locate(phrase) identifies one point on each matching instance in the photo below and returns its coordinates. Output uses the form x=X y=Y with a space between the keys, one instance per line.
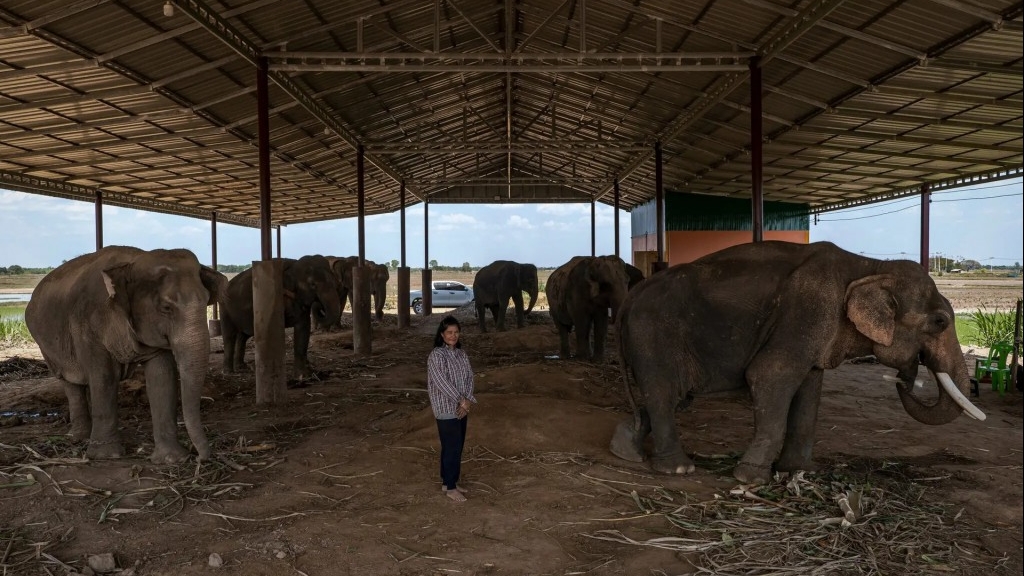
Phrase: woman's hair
x=445 y=323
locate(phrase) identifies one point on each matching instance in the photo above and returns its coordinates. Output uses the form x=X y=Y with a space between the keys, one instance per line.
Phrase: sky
x=983 y=223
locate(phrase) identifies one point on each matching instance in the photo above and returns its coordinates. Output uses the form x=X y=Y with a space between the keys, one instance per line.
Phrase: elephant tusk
x=950 y=388
x=890 y=378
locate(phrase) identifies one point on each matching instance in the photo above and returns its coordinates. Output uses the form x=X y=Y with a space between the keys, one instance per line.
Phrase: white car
x=445 y=294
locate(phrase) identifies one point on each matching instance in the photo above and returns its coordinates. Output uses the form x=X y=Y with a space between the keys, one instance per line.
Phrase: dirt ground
x=342 y=478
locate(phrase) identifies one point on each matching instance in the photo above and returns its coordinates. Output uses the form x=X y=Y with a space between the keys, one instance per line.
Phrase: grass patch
x=967 y=330
x=13 y=330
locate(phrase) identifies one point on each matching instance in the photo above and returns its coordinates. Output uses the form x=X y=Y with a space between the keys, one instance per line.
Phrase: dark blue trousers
x=453 y=437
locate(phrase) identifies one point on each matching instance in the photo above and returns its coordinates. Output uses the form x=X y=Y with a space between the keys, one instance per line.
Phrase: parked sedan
x=445 y=294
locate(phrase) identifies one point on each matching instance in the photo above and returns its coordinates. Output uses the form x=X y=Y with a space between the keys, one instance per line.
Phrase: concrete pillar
x=427 y=291
x=268 y=328
x=361 y=337
x=403 y=297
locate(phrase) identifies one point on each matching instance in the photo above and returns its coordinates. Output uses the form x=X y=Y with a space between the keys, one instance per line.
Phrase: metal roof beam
x=56 y=188
x=224 y=31
x=890 y=154
x=55 y=16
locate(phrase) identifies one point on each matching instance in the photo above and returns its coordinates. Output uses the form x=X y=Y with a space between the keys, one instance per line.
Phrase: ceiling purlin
x=220 y=28
x=146 y=86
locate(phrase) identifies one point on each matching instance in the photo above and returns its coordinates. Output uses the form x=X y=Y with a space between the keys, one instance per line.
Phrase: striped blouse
x=449 y=380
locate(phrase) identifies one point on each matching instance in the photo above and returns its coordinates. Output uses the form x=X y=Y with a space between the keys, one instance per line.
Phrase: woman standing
x=450 y=384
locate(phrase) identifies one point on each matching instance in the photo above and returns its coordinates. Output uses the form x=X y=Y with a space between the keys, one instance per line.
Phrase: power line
x=916 y=205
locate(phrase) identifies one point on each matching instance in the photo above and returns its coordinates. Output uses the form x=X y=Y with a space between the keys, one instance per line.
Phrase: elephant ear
x=871 y=306
x=216 y=284
x=116 y=279
x=117 y=334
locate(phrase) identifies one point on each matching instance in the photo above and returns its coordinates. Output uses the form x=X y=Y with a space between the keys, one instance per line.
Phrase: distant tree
x=433 y=263
x=394 y=264
x=970 y=265
x=3 y=270
x=466 y=267
x=15 y=269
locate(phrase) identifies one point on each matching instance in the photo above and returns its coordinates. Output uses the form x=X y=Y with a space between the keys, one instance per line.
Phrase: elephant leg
x=517 y=301
x=228 y=336
x=239 y=357
x=667 y=456
x=600 y=333
x=499 y=313
x=628 y=441
x=78 y=409
x=772 y=396
x=481 y=316
x=161 y=389
x=563 y=340
x=104 y=439
x=300 y=336
x=583 y=328
x=803 y=416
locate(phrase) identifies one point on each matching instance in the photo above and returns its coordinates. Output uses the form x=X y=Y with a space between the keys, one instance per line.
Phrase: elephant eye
x=940 y=322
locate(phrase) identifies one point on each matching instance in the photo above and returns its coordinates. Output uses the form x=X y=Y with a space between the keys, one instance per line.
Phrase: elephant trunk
x=330 y=306
x=953 y=390
x=192 y=355
x=533 y=299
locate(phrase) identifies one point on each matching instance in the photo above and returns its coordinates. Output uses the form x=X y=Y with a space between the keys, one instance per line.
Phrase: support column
x=616 y=210
x=361 y=337
x=426 y=287
x=926 y=201
x=268 y=325
x=267 y=281
x=214 y=322
x=659 y=195
x=278 y=240
x=756 y=151
x=593 y=227
x=263 y=154
x=403 y=270
x=99 y=219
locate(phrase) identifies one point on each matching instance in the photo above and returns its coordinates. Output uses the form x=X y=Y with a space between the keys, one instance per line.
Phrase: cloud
x=457 y=221
x=564 y=209
x=517 y=221
x=557 y=225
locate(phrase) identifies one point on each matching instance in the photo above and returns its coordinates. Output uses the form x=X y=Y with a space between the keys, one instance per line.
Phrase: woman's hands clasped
x=463 y=410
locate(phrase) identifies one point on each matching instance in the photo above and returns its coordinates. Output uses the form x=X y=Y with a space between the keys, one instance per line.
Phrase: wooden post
x=1016 y=347
x=361 y=337
x=268 y=325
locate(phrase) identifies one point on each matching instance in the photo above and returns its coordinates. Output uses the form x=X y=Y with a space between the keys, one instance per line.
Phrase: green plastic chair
x=995 y=366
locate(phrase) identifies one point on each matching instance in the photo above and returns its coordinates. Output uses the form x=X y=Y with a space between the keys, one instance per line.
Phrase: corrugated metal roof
x=513 y=101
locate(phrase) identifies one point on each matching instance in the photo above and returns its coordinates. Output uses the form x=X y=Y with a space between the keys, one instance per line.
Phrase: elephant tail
x=627 y=381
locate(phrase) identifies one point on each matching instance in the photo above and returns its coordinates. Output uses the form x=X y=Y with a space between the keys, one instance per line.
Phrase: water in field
x=18 y=297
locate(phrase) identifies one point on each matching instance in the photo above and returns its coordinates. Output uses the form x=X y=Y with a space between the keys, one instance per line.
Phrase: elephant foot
x=749 y=473
x=170 y=454
x=80 y=432
x=104 y=450
x=674 y=464
x=626 y=443
x=795 y=464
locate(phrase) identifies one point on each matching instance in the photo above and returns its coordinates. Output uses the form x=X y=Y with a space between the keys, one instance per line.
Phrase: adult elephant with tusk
x=307 y=281
x=95 y=317
x=771 y=317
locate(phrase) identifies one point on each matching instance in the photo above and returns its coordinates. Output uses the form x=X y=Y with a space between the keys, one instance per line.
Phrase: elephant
x=378 y=277
x=771 y=317
x=580 y=293
x=500 y=280
x=97 y=316
x=634 y=274
x=307 y=281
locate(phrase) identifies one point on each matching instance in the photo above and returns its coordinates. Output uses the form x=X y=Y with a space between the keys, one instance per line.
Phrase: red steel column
x=99 y=219
x=263 y=153
x=926 y=200
x=756 y=151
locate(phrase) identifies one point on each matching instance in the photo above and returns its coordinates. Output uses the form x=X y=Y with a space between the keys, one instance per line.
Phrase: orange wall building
x=697 y=225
